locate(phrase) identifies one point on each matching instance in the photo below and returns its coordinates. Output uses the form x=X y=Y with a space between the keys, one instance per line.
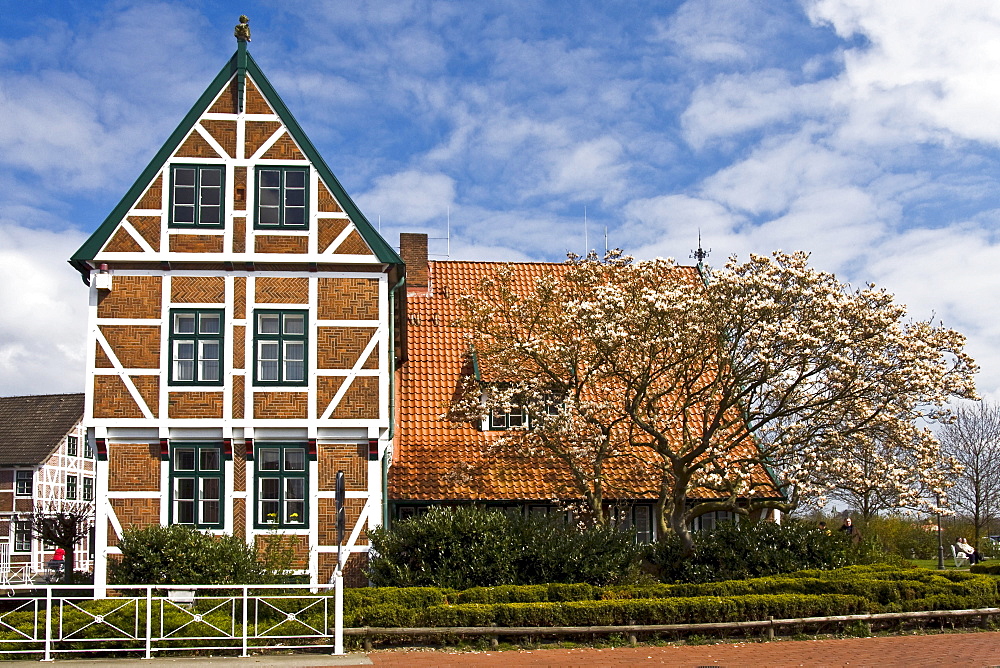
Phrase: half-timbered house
x=241 y=338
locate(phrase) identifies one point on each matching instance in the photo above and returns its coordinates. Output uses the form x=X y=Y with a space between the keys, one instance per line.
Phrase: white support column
x=100 y=526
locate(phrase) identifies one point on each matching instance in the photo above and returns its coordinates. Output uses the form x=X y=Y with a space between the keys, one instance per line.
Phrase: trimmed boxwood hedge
x=848 y=590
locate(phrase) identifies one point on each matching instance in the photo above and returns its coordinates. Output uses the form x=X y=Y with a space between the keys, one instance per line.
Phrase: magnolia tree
x=754 y=389
x=537 y=360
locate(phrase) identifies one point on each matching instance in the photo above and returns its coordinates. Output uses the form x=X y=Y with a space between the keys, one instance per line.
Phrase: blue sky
x=863 y=131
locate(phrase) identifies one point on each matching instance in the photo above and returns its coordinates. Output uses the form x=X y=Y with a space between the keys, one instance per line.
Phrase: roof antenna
x=701 y=253
x=586 y=238
x=446 y=238
x=605 y=241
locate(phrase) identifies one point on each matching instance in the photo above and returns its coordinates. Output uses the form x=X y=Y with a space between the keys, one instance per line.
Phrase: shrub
x=179 y=554
x=469 y=547
x=991 y=568
x=737 y=551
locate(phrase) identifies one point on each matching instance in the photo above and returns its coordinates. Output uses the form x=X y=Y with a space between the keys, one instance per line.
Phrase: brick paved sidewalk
x=967 y=650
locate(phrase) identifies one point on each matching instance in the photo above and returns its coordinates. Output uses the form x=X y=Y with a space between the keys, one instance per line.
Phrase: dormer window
x=511 y=418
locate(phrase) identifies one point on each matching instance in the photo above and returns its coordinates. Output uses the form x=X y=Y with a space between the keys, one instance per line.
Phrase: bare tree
x=65 y=524
x=973 y=439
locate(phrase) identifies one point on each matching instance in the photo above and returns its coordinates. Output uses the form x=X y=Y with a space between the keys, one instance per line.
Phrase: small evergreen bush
x=180 y=554
x=748 y=550
x=471 y=547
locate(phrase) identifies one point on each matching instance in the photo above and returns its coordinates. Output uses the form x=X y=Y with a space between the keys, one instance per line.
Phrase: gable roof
x=437 y=460
x=92 y=246
x=31 y=427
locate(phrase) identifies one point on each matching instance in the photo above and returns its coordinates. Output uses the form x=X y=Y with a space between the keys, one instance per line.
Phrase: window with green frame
x=196 y=195
x=282 y=198
x=88 y=489
x=280 y=344
x=196 y=484
x=88 y=449
x=71 y=487
x=71 y=445
x=281 y=477
x=196 y=347
x=22 y=536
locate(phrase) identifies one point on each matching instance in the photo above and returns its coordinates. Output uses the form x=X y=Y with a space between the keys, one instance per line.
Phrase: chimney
x=413 y=250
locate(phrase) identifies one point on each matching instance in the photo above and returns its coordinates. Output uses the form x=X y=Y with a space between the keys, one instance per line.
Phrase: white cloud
x=44 y=306
x=410 y=197
x=925 y=66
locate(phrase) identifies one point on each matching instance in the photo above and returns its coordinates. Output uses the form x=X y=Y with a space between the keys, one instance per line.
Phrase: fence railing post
x=149 y=622
x=48 y=623
x=245 y=631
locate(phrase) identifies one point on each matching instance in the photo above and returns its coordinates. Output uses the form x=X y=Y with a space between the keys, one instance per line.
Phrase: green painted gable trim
x=92 y=246
x=383 y=251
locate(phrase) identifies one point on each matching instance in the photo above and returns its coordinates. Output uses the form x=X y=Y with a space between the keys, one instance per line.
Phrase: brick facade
x=196 y=243
x=135 y=346
x=275 y=290
x=348 y=299
x=136 y=467
x=340 y=347
x=269 y=243
x=360 y=402
x=197 y=289
x=281 y=405
x=194 y=405
x=133 y=297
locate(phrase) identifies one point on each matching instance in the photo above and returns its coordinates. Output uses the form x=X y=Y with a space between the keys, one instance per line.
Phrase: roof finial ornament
x=242 y=30
x=701 y=253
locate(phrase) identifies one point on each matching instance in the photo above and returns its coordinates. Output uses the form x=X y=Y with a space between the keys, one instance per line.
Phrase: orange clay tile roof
x=437 y=460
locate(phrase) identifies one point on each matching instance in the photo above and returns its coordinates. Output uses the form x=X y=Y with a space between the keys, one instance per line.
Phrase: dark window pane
x=296 y=512
x=185 y=512
x=184 y=177
x=211 y=215
x=210 y=459
x=295 y=197
x=211 y=196
x=269 y=216
x=295 y=460
x=269 y=198
x=211 y=177
x=210 y=512
x=269 y=512
x=183 y=196
x=184 y=488
x=270 y=488
x=269 y=459
x=270 y=178
x=183 y=214
x=184 y=459
x=295 y=179
x=210 y=489
x=295 y=489
x=295 y=216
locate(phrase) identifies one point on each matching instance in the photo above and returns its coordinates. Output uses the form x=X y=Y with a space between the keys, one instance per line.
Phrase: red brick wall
x=113 y=400
x=195 y=405
x=350 y=458
x=133 y=467
x=281 y=405
x=348 y=299
x=277 y=290
x=135 y=346
x=196 y=243
x=132 y=297
x=198 y=289
x=340 y=347
x=360 y=402
x=276 y=244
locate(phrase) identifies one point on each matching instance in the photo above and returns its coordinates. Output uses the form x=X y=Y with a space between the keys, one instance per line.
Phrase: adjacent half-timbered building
x=241 y=339
x=47 y=465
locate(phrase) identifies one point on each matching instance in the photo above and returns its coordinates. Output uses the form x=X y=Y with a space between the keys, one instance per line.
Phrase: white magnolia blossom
x=770 y=373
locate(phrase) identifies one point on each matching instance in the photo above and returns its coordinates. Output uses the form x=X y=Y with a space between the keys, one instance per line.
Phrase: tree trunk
x=68 y=560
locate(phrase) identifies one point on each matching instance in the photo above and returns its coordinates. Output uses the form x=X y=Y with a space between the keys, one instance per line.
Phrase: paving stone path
x=965 y=650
